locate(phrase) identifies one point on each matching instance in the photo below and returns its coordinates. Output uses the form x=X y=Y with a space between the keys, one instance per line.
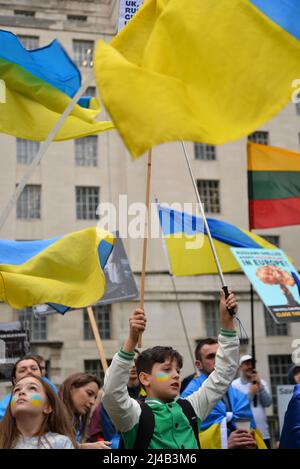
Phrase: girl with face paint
x=35 y=418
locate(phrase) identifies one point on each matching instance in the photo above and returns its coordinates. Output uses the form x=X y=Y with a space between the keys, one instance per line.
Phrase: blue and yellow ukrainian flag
x=188 y=246
x=65 y=271
x=232 y=70
x=213 y=431
x=39 y=85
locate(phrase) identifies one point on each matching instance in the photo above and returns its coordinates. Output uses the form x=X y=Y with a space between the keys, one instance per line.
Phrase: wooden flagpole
x=97 y=338
x=146 y=234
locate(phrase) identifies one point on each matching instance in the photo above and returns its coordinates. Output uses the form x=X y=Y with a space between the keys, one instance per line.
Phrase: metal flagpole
x=178 y=303
x=43 y=149
x=214 y=252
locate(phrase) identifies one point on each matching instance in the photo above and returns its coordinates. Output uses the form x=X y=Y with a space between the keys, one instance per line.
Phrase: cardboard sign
x=270 y=273
x=284 y=394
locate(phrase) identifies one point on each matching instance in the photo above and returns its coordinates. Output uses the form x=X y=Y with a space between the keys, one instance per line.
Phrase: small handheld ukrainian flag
x=65 y=271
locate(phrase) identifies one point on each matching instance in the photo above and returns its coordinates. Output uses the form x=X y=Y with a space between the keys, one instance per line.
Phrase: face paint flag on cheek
x=162 y=377
x=36 y=400
x=13 y=401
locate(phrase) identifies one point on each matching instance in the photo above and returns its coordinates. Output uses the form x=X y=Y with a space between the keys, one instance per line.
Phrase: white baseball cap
x=245 y=358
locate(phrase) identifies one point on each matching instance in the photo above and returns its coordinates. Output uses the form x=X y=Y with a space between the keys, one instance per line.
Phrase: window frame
x=206 y=194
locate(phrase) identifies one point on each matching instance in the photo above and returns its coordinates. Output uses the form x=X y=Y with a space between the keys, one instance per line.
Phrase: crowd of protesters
x=140 y=407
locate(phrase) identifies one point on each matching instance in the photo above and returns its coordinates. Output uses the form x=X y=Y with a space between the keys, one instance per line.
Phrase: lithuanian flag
x=273 y=186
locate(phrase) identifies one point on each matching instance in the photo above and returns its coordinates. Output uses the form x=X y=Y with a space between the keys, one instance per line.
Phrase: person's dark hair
x=291 y=373
x=57 y=421
x=26 y=357
x=201 y=343
x=148 y=358
x=77 y=380
x=38 y=358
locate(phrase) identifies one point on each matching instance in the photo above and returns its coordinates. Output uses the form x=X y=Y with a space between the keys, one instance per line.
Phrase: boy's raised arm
x=123 y=411
x=216 y=385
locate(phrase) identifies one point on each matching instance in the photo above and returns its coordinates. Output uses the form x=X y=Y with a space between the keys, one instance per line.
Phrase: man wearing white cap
x=251 y=384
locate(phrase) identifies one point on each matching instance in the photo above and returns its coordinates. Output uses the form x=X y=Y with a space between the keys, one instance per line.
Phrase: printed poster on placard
x=273 y=277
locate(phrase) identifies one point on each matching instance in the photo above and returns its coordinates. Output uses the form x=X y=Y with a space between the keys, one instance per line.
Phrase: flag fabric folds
x=39 y=85
x=213 y=432
x=65 y=271
x=214 y=86
x=188 y=247
x=273 y=186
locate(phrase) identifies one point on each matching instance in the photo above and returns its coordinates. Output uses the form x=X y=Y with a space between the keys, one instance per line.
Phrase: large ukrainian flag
x=65 y=271
x=213 y=433
x=39 y=85
x=201 y=70
x=188 y=246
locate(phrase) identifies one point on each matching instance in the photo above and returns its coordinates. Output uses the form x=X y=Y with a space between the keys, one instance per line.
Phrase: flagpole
x=43 y=149
x=97 y=338
x=177 y=300
x=146 y=233
x=224 y=286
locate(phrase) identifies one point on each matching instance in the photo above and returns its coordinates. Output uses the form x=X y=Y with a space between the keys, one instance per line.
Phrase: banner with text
x=128 y=9
x=270 y=273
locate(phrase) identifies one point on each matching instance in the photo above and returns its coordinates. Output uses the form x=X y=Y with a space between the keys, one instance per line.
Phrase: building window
x=94 y=367
x=279 y=366
x=204 y=152
x=29 y=203
x=273 y=239
x=24 y=13
x=77 y=18
x=29 y=42
x=83 y=53
x=260 y=136
x=86 y=151
x=90 y=91
x=26 y=150
x=212 y=318
x=209 y=191
x=87 y=201
x=37 y=326
x=102 y=317
x=272 y=328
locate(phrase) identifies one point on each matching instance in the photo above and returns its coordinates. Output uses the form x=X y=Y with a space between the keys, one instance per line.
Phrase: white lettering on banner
x=128 y=9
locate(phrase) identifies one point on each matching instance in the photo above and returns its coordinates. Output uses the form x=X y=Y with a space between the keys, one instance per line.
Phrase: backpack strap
x=147 y=422
x=190 y=414
x=145 y=429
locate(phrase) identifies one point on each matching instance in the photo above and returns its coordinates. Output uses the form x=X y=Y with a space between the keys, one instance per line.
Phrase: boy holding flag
x=165 y=421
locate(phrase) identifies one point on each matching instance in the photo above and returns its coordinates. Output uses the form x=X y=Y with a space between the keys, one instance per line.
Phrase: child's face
x=164 y=380
x=29 y=397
